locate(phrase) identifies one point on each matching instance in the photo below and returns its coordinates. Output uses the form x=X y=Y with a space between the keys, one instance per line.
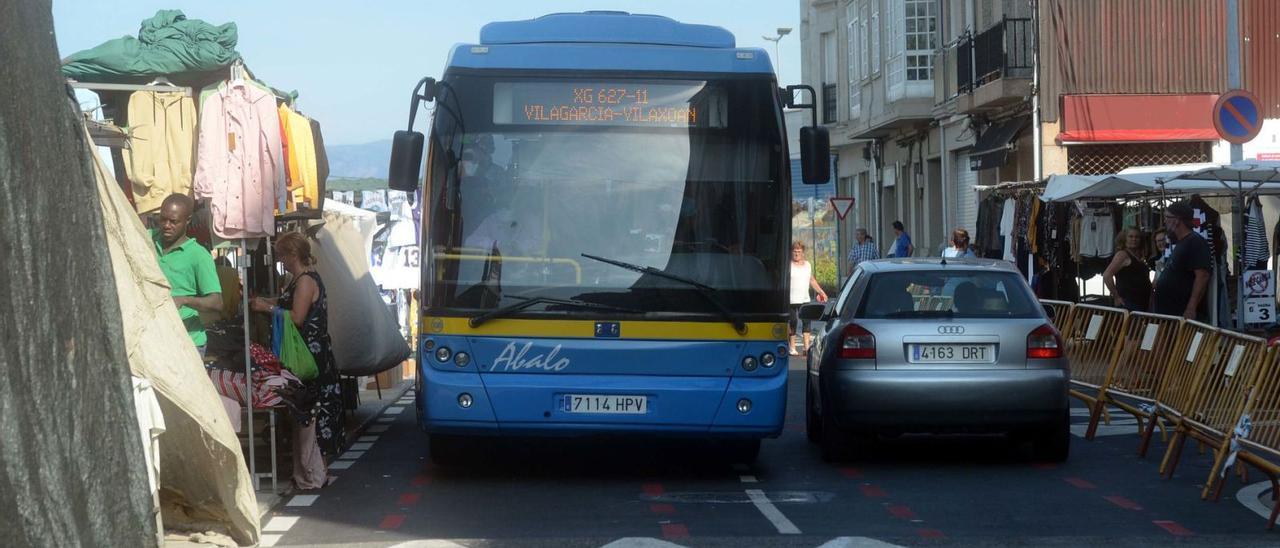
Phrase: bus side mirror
x=406 y=161
x=815 y=155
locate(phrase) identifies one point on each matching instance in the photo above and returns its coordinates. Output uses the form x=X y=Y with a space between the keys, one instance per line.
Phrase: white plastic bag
x=366 y=336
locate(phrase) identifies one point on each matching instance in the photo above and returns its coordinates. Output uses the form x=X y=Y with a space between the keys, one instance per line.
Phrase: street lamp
x=782 y=31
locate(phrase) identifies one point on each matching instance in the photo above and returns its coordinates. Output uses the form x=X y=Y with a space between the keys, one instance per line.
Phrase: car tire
x=831 y=440
x=812 y=420
x=446 y=450
x=1053 y=444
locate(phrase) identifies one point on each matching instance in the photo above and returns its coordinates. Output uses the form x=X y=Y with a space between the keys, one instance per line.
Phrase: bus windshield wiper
x=707 y=292
x=527 y=302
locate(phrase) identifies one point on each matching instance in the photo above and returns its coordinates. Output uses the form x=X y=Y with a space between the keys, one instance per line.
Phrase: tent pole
x=248 y=358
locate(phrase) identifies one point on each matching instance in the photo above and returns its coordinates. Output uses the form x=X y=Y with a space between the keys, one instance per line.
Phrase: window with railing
x=1002 y=51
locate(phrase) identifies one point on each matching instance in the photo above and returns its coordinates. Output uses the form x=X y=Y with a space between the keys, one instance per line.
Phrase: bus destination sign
x=602 y=103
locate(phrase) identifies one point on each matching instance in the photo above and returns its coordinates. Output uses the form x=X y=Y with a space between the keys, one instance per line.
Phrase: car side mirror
x=815 y=155
x=406 y=161
x=813 y=312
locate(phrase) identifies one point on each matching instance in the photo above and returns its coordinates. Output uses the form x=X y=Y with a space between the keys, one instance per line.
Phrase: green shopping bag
x=294 y=353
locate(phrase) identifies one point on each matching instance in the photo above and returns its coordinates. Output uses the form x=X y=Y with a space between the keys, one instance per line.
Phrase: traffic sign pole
x=1233 y=63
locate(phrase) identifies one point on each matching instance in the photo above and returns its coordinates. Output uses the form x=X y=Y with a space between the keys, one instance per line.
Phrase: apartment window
x=829 y=78
x=852 y=39
x=912 y=24
x=875 y=35
x=864 y=51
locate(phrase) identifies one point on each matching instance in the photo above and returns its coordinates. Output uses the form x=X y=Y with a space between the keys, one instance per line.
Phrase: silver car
x=940 y=346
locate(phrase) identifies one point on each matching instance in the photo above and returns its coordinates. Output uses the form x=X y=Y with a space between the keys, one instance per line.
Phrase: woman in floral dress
x=320 y=431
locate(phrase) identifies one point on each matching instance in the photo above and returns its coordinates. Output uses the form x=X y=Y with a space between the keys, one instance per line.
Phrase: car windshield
x=683 y=176
x=947 y=294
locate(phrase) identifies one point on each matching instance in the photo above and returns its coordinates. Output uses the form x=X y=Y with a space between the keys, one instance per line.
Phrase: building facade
x=926 y=99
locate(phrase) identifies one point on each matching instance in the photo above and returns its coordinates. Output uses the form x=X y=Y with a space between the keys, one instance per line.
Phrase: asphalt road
x=963 y=491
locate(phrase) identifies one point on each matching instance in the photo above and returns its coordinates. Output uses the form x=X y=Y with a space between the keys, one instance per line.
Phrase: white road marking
x=747 y=479
x=379 y=428
x=341 y=464
x=857 y=542
x=302 y=500
x=432 y=543
x=352 y=455
x=1249 y=497
x=394 y=410
x=361 y=446
x=280 y=524
x=771 y=512
x=267 y=541
x=368 y=439
x=641 y=542
x=386 y=419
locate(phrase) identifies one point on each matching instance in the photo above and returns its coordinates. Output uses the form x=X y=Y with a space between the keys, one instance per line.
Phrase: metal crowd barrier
x=1218 y=387
x=1092 y=337
x=1255 y=440
x=1139 y=365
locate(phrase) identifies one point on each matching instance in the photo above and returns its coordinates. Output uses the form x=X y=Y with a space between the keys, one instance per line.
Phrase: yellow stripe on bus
x=585 y=329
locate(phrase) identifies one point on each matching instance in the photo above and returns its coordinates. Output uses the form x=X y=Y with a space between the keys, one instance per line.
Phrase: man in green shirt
x=188 y=266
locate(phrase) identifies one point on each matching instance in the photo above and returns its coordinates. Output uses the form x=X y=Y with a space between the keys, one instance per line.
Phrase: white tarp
x=204 y=483
x=1186 y=179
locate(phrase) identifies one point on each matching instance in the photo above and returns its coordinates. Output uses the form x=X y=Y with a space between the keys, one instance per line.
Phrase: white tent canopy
x=1206 y=179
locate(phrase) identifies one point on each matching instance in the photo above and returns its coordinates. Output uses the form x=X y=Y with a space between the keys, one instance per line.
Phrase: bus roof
x=608 y=40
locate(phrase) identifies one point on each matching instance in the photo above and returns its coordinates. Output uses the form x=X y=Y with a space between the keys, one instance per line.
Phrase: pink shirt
x=238 y=160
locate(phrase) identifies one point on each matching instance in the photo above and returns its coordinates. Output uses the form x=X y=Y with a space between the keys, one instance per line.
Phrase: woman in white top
x=801 y=281
x=959 y=246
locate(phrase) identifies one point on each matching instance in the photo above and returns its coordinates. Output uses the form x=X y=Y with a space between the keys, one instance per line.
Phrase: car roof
x=916 y=264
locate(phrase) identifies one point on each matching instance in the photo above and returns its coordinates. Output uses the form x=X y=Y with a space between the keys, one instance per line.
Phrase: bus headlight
x=462 y=359
x=749 y=363
x=464 y=400
x=443 y=354
x=744 y=406
x=767 y=360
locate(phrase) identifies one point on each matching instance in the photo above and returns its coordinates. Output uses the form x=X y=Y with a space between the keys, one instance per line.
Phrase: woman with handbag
x=319 y=431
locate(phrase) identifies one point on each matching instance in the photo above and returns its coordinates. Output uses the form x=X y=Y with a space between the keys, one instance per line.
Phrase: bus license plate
x=607 y=404
x=952 y=353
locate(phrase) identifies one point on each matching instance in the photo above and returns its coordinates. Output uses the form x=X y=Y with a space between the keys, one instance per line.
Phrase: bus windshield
x=529 y=174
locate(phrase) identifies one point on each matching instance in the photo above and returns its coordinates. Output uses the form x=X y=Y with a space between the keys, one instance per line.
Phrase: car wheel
x=1054 y=443
x=832 y=442
x=447 y=450
x=812 y=420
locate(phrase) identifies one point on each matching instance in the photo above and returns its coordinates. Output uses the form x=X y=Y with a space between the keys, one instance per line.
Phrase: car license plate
x=607 y=404
x=952 y=353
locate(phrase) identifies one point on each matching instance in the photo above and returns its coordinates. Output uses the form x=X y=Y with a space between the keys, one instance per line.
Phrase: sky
x=354 y=63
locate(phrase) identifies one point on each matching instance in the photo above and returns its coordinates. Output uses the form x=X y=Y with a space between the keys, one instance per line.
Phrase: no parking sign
x=1237 y=117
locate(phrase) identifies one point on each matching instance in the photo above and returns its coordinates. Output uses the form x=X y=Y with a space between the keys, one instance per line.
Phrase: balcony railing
x=829 y=104
x=1002 y=51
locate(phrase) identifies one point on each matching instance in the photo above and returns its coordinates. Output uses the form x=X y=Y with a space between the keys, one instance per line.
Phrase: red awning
x=1137 y=118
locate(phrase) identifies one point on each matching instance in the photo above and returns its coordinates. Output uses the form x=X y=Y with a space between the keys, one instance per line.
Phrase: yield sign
x=842 y=205
x=1237 y=117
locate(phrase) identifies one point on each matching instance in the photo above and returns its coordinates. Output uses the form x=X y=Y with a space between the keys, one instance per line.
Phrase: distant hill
x=368 y=160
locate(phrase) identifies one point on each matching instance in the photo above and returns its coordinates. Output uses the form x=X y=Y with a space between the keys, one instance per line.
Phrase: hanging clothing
x=1097 y=233
x=162 y=140
x=327 y=410
x=1256 y=251
x=1006 y=227
x=301 y=159
x=322 y=166
x=238 y=160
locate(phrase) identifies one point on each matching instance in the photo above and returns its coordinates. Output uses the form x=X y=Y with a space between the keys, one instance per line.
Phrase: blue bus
x=606 y=233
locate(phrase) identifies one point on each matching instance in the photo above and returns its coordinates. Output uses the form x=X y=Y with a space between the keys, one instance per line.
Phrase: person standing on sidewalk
x=320 y=430
x=1180 y=290
x=864 y=249
x=193 y=278
x=902 y=241
x=801 y=281
x=1128 y=277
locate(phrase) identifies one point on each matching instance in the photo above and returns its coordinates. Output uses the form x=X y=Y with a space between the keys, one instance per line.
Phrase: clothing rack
x=167 y=88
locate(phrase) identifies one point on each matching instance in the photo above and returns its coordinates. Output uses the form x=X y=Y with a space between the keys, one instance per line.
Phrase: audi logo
x=951 y=330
